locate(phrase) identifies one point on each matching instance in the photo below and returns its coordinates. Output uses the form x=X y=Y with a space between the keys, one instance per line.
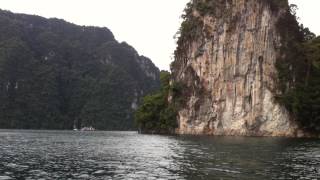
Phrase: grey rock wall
x=230 y=75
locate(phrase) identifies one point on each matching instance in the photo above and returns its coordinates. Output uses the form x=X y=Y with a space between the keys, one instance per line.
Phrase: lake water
x=128 y=155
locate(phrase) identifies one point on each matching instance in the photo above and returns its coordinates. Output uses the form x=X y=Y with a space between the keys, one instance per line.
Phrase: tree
x=54 y=75
x=156 y=114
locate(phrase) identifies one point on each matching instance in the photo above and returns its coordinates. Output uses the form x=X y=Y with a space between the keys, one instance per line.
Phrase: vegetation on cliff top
x=55 y=74
x=189 y=29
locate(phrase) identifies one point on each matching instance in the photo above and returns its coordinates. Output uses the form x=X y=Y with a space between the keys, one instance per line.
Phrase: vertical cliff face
x=225 y=61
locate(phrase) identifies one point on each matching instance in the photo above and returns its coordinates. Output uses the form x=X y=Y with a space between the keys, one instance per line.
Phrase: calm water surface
x=128 y=155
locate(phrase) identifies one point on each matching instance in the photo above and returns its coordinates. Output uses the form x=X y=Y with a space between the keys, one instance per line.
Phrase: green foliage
x=54 y=74
x=205 y=7
x=292 y=58
x=191 y=24
x=165 y=81
x=303 y=100
x=177 y=91
x=189 y=29
x=298 y=71
x=156 y=115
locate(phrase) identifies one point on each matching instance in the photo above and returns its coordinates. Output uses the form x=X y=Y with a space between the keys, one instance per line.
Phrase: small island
x=241 y=68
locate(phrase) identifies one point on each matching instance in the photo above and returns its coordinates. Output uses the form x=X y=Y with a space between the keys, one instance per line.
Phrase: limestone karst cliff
x=226 y=62
x=58 y=75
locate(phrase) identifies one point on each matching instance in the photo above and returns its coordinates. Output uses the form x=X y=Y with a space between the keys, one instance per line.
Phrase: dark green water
x=128 y=155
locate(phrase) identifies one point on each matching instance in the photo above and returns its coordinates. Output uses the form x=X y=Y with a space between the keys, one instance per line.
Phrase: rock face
x=227 y=67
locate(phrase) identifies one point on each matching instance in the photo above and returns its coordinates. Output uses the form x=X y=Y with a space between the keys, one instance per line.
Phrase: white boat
x=88 y=129
x=75 y=128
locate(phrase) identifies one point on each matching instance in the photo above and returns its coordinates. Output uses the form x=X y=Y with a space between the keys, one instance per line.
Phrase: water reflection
x=128 y=155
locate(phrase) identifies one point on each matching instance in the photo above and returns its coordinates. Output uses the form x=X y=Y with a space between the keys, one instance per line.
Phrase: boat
x=88 y=128
x=75 y=128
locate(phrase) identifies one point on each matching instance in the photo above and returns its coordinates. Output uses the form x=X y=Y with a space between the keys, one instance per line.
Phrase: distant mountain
x=54 y=75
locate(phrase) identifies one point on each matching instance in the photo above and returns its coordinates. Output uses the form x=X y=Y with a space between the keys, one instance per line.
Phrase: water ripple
x=128 y=155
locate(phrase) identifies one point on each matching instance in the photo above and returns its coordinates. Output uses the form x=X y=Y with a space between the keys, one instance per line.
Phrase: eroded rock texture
x=228 y=70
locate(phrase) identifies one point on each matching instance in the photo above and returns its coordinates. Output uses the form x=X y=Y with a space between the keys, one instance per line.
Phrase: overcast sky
x=148 y=25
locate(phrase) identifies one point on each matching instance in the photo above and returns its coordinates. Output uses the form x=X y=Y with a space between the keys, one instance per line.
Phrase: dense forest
x=299 y=71
x=54 y=75
x=156 y=114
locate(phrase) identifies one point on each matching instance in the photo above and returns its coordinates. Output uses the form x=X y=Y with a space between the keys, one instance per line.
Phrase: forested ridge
x=55 y=74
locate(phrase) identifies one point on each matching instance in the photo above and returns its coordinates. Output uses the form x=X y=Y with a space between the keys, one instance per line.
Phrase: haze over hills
x=54 y=75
